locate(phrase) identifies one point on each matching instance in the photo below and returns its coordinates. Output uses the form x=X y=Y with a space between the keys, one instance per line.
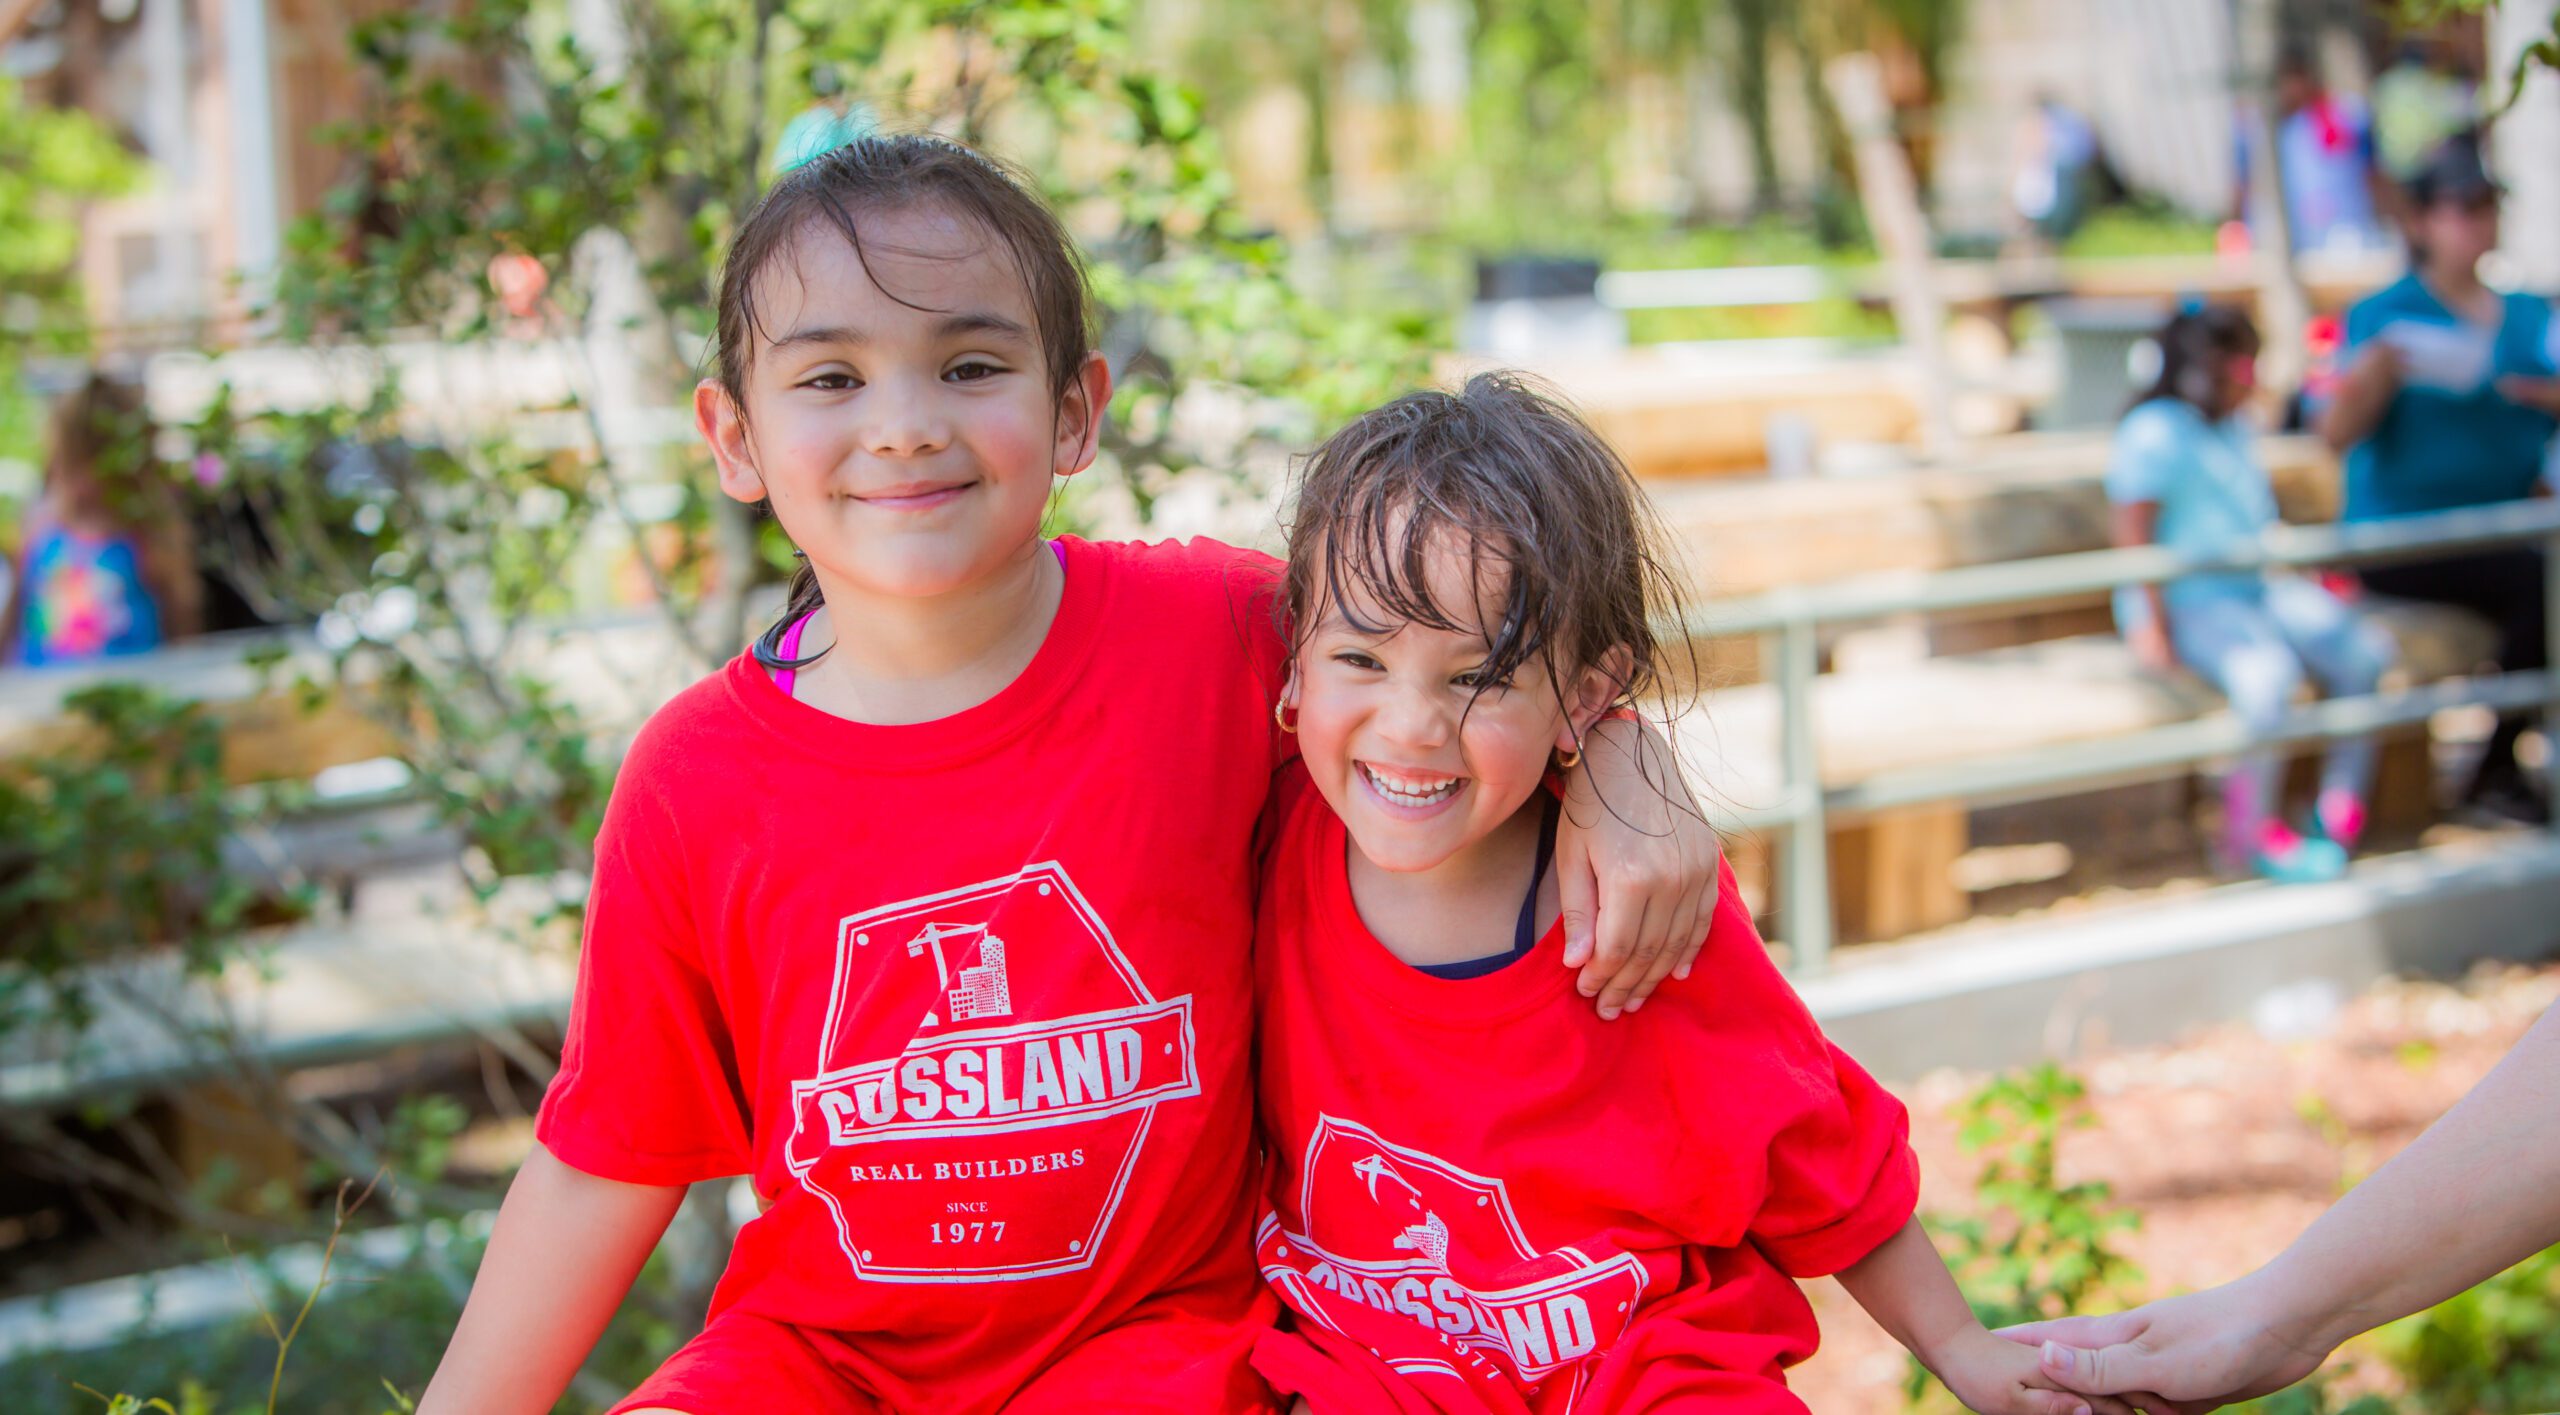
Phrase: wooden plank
x=1894 y=876
x=2013 y=499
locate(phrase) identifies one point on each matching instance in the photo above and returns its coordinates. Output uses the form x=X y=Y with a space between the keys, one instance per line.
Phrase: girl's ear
x=1080 y=415
x=716 y=414
x=1590 y=694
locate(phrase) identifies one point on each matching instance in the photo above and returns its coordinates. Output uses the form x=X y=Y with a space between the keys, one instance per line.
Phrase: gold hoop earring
x=1567 y=761
x=1280 y=716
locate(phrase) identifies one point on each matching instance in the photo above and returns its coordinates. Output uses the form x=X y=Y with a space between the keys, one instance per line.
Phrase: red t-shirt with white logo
x=968 y=999
x=1484 y=1198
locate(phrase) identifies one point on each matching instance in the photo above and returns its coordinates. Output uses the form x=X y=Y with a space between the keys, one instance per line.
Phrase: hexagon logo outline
x=850 y=1100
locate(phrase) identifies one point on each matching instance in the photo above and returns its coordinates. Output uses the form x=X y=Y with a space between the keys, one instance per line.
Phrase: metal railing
x=1786 y=621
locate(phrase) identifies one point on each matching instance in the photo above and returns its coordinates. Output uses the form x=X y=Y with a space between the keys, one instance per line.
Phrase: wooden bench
x=1891 y=873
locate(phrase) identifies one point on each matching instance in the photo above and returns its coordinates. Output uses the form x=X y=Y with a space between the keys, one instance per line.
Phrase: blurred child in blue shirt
x=2184 y=473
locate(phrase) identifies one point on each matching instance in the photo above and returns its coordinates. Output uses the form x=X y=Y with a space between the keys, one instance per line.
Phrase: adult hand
x=2197 y=1353
x=1637 y=866
x=2541 y=394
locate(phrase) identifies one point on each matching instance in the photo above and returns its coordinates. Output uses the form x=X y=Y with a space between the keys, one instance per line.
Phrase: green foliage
x=51 y=160
x=2494 y=1350
x=2119 y=231
x=112 y=844
x=421 y=563
x=2042 y=1248
x=2542 y=52
x=2045 y=1252
x=368 y=1348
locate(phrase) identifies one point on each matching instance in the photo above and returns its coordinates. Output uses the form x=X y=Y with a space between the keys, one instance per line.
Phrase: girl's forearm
x=2475 y=1194
x=565 y=1249
x=1905 y=1286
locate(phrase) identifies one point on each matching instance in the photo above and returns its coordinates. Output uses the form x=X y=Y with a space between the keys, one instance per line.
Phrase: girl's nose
x=906 y=421
x=1415 y=717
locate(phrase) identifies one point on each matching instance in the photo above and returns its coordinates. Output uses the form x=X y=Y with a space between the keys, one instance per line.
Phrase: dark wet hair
x=1544 y=507
x=2192 y=346
x=891 y=172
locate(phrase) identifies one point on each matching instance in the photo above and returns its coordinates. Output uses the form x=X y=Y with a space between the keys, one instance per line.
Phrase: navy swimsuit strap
x=1524 y=934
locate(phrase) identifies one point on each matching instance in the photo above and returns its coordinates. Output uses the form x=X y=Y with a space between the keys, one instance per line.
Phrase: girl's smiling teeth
x=1401 y=788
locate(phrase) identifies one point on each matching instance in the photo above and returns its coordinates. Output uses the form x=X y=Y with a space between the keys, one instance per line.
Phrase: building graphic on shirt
x=1428 y=1263
x=980 y=1120
x=1430 y=1238
x=984 y=990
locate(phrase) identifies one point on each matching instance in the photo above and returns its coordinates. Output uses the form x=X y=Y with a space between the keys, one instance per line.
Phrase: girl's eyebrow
x=826 y=334
x=980 y=322
x=949 y=326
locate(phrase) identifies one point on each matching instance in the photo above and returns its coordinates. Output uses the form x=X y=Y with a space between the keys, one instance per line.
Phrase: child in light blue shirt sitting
x=2184 y=473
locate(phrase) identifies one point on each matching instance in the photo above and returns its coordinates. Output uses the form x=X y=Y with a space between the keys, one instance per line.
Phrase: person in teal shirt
x=2184 y=473
x=2449 y=400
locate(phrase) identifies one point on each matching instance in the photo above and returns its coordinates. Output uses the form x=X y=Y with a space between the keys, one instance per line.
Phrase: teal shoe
x=2288 y=858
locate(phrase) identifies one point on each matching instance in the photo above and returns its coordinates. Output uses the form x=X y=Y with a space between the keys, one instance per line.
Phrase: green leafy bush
x=2039 y=1248
x=2494 y=1350
x=112 y=844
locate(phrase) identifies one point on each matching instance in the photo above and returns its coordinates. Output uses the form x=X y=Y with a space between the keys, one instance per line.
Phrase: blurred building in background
x=233 y=104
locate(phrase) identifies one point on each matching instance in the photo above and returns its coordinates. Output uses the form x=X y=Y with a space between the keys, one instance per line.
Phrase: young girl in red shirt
x=1482 y=1199
x=931 y=914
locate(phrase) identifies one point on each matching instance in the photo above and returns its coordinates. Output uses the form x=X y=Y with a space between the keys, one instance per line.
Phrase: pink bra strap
x=789 y=648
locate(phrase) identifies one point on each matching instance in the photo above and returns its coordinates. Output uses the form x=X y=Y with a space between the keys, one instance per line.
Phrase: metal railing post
x=2551 y=675
x=1805 y=891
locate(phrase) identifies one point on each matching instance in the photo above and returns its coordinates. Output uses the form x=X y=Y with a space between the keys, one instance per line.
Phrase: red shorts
x=1159 y=1362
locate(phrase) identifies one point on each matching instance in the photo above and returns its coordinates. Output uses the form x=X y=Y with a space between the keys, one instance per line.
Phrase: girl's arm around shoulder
x=566 y=1247
x=1639 y=869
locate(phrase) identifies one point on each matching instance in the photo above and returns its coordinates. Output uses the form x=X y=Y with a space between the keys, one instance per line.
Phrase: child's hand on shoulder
x=1993 y=1381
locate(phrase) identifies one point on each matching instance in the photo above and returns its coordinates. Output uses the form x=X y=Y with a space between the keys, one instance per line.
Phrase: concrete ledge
x=2281 y=957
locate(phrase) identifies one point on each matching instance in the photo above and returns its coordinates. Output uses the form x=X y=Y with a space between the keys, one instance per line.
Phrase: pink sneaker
x=2340 y=817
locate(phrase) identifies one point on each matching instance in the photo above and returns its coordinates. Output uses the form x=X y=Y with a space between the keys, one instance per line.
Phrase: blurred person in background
x=2184 y=473
x=2058 y=176
x=2333 y=189
x=2449 y=400
x=104 y=566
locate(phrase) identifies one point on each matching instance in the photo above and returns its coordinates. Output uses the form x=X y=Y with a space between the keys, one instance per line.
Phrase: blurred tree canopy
x=51 y=160
x=1549 y=82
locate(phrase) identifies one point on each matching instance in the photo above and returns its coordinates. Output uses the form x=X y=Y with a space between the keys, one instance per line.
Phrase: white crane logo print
x=984 y=990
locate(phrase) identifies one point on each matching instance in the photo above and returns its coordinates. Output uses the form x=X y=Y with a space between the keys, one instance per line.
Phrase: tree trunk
x=1747 y=67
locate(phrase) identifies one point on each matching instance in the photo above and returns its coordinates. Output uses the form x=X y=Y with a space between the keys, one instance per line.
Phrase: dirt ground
x=2227 y=1144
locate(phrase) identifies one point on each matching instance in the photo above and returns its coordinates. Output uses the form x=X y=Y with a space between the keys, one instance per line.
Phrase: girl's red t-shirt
x=967 y=999
x=1484 y=1198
